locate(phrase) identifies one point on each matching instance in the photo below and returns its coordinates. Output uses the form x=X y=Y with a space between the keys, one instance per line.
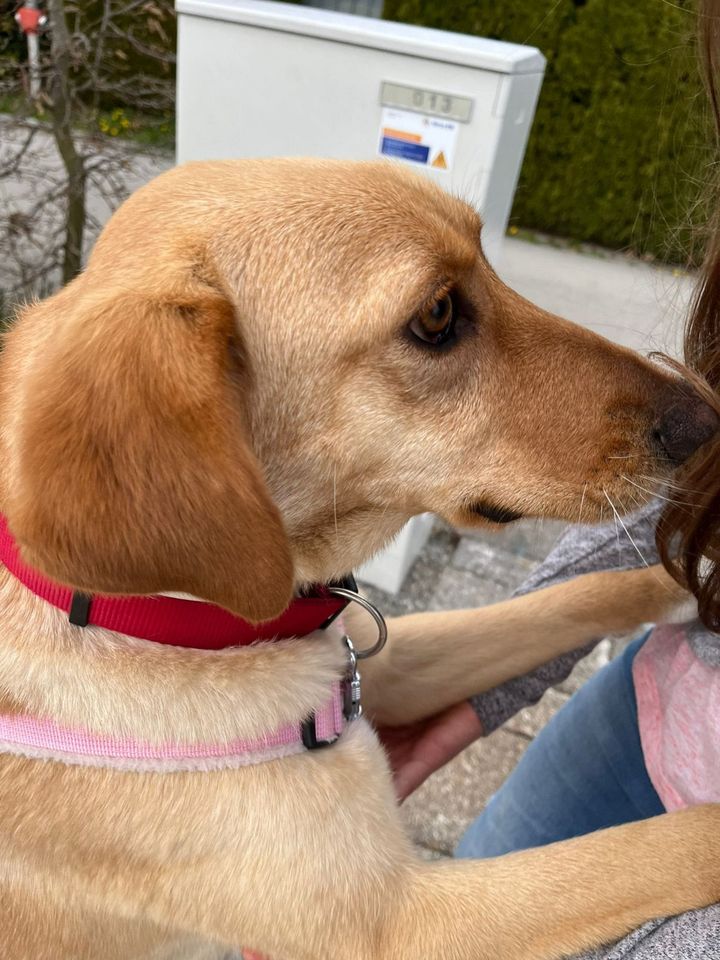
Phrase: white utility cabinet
x=263 y=79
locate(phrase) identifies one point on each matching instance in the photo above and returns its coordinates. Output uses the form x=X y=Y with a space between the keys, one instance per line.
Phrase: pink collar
x=42 y=739
x=183 y=623
x=162 y=619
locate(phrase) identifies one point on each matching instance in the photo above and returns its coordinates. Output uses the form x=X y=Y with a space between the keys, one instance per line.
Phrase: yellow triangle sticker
x=440 y=161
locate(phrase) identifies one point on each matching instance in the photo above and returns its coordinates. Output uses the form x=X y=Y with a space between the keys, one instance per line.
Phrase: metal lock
x=352 y=707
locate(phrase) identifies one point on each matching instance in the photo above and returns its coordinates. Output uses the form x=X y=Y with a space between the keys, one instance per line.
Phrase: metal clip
x=352 y=707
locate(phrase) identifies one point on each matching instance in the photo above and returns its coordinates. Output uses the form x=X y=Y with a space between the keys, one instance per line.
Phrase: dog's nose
x=687 y=423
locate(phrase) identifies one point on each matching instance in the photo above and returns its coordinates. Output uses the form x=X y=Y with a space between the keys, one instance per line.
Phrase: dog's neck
x=324 y=551
x=117 y=685
x=173 y=619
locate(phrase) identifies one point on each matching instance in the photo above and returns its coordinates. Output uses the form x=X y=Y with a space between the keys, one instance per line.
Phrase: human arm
x=416 y=750
x=582 y=549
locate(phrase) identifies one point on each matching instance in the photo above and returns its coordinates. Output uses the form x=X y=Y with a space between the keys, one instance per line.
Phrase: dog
x=266 y=368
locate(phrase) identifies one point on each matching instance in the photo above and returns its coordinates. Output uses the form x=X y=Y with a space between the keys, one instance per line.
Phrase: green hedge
x=621 y=147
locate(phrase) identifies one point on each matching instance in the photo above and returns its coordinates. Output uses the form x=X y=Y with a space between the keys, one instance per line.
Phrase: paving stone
x=423 y=577
x=618 y=642
x=430 y=587
x=439 y=811
x=606 y=650
x=425 y=853
x=599 y=657
x=441 y=543
x=530 y=720
x=456 y=589
x=526 y=541
x=532 y=539
x=486 y=561
x=417 y=591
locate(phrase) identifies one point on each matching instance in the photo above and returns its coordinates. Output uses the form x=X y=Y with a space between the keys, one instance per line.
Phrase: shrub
x=621 y=145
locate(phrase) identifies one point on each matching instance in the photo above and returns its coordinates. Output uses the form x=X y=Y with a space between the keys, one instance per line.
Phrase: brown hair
x=688 y=533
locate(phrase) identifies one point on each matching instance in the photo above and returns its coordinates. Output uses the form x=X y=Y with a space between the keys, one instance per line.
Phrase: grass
x=154 y=131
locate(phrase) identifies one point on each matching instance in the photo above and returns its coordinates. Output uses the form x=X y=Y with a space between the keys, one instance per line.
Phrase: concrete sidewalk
x=637 y=304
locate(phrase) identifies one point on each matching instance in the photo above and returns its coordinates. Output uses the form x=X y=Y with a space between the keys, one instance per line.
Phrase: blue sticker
x=404 y=150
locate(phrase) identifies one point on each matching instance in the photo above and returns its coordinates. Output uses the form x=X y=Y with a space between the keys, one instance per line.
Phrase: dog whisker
x=582 y=501
x=624 y=456
x=655 y=493
x=337 y=538
x=618 y=519
x=634 y=499
x=665 y=587
x=617 y=536
x=669 y=484
x=636 y=456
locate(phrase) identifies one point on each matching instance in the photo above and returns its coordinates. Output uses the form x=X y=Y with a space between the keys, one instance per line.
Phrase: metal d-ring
x=374 y=613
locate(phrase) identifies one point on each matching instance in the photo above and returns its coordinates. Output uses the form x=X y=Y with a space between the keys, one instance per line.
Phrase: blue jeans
x=583 y=772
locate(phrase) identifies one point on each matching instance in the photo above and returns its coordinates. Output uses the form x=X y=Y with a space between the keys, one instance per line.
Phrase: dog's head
x=269 y=366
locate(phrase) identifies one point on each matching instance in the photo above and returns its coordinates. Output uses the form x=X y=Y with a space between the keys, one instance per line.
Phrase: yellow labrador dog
x=265 y=370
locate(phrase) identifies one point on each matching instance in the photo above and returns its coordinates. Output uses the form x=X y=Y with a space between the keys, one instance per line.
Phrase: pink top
x=678 y=698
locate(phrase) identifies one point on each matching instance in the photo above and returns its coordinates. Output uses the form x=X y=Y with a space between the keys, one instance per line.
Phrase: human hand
x=419 y=749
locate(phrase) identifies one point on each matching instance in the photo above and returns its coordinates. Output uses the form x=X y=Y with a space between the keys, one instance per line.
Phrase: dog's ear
x=132 y=469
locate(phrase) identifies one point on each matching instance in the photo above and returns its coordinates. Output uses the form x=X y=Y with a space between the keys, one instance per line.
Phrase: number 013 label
x=426 y=101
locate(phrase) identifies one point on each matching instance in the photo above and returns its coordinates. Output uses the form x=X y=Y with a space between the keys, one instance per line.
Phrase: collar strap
x=173 y=620
x=41 y=739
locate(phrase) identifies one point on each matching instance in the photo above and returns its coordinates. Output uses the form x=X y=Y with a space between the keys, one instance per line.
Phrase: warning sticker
x=406 y=135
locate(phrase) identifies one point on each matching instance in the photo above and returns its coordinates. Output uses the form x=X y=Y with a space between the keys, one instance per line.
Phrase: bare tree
x=67 y=156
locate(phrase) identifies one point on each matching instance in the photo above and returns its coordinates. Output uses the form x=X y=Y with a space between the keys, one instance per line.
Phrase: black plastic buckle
x=307 y=729
x=80 y=609
x=310 y=738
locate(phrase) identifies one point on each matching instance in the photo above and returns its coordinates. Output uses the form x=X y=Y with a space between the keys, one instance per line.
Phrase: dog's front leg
x=433 y=660
x=540 y=904
x=558 y=900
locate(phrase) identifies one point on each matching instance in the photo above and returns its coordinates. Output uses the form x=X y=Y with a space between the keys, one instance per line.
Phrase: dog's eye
x=435 y=323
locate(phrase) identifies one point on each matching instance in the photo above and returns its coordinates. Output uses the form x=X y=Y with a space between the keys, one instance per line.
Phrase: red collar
x=172 y=620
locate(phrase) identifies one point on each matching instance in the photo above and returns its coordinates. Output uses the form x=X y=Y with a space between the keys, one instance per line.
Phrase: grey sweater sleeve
x=582 y=549
x=691 y=936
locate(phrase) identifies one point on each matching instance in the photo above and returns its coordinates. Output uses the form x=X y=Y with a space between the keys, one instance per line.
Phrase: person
x=638 y=739
x=643 y=735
